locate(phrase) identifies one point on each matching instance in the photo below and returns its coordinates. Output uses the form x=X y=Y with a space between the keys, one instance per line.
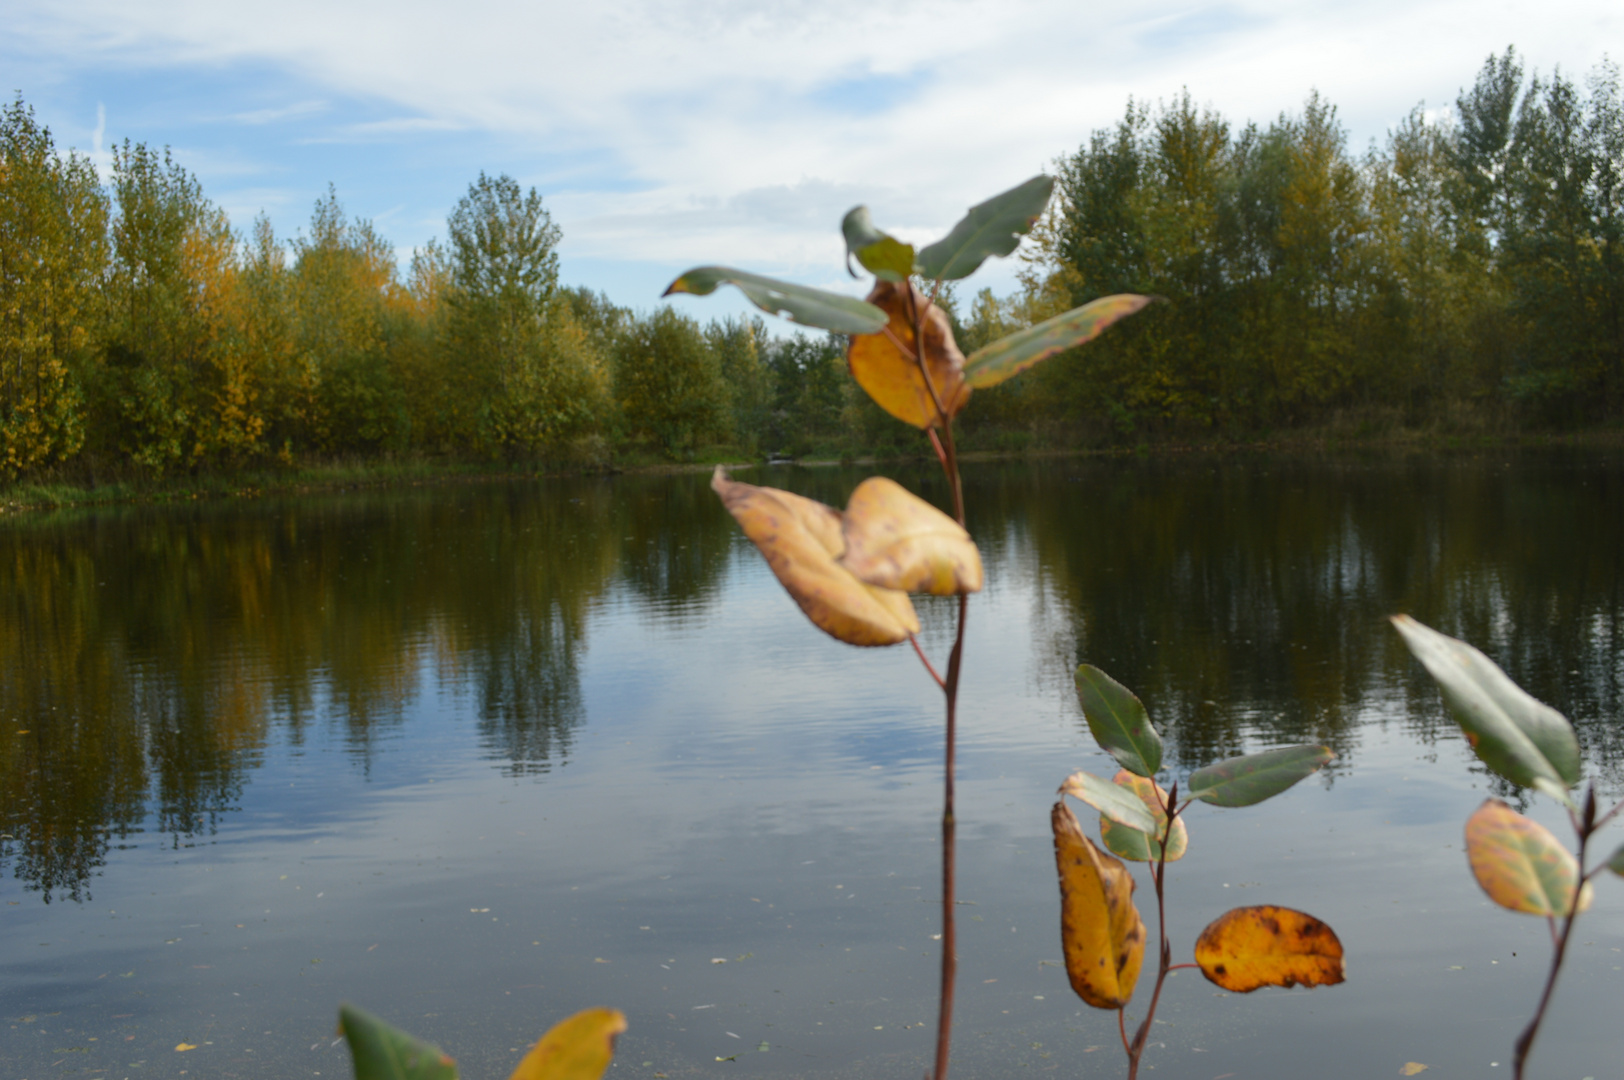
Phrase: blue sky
x=664 y=136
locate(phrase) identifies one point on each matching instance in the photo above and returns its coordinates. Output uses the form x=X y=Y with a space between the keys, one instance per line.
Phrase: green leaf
x=1117 y=803
x=881 y=254
x=1009 y=356
x=994 y=227
x=1119 y=721
x=382 y=1052
x=1242 y=781
x=1129 y=843
x=809 y=307
x=1513 y=733
x=1616 y=863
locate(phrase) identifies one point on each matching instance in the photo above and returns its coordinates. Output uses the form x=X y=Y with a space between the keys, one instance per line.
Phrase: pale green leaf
x=994 y=227
x=797 y=303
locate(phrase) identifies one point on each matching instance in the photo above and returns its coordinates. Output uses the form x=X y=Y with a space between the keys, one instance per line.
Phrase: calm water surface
x=475 y=758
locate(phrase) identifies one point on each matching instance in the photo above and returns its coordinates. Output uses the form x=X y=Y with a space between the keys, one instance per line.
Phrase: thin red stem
x=1585 y=826
x=1158 y=876
x=923 y=659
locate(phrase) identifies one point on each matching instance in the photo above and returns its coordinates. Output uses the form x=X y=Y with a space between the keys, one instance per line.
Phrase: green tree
x=53 y=222
x=668 y=382
x=347 y=394
x=169 y=246
x=537 y=383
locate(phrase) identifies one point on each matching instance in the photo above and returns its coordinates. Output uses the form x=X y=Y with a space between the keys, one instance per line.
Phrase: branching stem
x=1586 y=826
x=1164 y=952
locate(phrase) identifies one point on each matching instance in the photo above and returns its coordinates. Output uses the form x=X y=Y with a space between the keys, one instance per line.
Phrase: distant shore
x=127 y=486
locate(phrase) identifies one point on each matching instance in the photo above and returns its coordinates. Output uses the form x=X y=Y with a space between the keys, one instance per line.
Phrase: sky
x=664 y=136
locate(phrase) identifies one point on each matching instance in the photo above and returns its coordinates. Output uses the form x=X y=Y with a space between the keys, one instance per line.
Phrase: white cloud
x=741 y=130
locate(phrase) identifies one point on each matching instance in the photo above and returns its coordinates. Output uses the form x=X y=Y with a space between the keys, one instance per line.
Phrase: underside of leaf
x=802 y=541
x=896 y=540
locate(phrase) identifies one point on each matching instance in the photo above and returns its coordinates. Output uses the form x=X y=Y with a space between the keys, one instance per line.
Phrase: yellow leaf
x=185 y=1046
x=891 y=376
x=1519 y=863
x=1250 y=947
x=575 y=1049
x=896 y=540
x=1411 y=1068
x=1130 y=843
x=802 y=541
x=1100 y=928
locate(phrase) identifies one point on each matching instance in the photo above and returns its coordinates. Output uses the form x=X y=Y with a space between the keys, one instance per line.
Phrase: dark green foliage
x=668 y=380
x=1474 y=264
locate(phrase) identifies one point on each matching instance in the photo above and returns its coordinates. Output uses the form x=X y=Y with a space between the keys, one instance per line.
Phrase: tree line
x=1471 y=268
x=1468 y=271
x=137 y=327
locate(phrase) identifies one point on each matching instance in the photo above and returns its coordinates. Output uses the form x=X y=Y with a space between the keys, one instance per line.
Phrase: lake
x=475 y=757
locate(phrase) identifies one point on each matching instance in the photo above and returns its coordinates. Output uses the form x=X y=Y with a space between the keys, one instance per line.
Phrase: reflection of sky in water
x=734 y=786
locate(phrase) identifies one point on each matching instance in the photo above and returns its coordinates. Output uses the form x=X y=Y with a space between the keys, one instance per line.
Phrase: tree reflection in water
x=151 y=655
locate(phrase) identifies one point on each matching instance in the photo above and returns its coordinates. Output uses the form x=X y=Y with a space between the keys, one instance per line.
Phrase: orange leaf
x=896 y=540
x=1100 y=928
x=579 y=1048
x=892 y=376
x=1130 y=843
x=802 y=541
x=1519 y=863
x=1412 y=1068
x=1251 y=947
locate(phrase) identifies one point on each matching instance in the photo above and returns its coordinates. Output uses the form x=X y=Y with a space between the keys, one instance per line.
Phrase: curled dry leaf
x=896 y=540
x=1131 y=843
x=1250 y=947
x=1519 y=863
x=891 y=376
x=579 y=1048
x=1100 y=928
x=802 y=541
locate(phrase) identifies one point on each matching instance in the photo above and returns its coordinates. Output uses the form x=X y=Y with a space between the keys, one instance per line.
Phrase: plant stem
x=1158 y=875
x=948 y=455
x=1525 y=1042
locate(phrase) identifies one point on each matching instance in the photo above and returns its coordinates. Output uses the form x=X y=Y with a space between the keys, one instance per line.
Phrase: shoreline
x=38 y=496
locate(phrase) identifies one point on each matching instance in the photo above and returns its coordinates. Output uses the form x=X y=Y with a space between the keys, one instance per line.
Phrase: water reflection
x=148 y=657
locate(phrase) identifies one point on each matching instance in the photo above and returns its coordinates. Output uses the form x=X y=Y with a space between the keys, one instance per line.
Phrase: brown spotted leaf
x=891 y=375
x=579 y=1048
x=1519 y=863
x=1100 y=928
x=1251 y=947
x=802 y=541
x=1131 y=843
x=896 y=540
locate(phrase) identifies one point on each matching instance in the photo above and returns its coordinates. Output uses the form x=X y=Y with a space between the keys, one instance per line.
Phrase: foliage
x=1470 y=261
x=1468 y=271
x=851 y=573
x=1518 y=863
x=1100 y=928
x=53 y=251
x=577 y=1048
